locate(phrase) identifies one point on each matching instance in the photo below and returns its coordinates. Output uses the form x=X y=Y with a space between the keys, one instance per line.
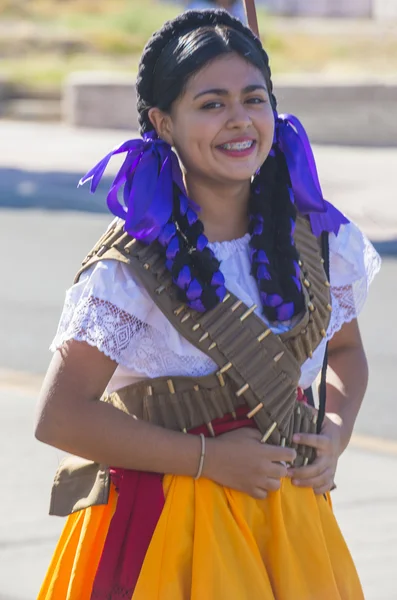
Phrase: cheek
x=198 y=126
x=188 y=150
x=266 y=127
x=269 y=123
x=193 y=138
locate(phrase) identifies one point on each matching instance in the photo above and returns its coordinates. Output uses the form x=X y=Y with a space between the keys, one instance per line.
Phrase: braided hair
x=173 y=54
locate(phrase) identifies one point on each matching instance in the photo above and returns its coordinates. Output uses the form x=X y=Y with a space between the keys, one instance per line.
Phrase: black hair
x=174 y=54
x=184 y=46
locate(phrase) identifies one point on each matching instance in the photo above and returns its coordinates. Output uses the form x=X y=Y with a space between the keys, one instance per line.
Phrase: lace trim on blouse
x=124 y=338
x=348 y=299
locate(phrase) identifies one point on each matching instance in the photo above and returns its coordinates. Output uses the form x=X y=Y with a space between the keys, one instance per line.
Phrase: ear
x=161 y=121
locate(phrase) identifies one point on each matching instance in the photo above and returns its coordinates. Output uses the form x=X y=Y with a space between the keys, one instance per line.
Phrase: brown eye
x=256 y=100
x=211 y=105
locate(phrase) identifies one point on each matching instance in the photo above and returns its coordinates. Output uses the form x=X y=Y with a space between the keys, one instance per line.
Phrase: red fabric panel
x=139 y=506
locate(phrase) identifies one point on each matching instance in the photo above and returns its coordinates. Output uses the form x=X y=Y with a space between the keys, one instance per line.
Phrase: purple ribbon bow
x=292 y=140
x=148 y=174
x=151 y=169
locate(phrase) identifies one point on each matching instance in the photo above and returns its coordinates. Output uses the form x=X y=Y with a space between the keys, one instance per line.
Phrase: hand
x=320 y=474
x=239 y=460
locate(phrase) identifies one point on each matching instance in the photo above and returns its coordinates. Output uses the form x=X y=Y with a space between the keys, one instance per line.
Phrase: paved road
x=42 y=240
x=364 y=504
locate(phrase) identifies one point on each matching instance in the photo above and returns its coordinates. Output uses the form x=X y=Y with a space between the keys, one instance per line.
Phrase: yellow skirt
x=212 y=543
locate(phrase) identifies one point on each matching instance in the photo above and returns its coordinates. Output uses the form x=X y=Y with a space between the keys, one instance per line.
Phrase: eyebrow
x=222 y=92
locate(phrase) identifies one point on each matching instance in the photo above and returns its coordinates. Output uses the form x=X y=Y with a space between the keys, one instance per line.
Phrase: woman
x=204 y=332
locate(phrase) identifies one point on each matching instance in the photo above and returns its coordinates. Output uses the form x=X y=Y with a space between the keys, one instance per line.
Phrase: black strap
x=323 y=380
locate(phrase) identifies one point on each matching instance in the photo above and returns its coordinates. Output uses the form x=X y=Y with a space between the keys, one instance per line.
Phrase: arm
x=71 y=418
x=347 y=378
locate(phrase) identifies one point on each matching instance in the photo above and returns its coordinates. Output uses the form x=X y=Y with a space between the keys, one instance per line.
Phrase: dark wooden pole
x=252 y=19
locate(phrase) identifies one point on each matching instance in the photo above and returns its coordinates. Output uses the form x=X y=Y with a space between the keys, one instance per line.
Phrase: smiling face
x=222 y=125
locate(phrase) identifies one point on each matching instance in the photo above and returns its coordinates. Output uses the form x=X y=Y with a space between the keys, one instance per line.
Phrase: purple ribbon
x=148 y=175
x=292 y=140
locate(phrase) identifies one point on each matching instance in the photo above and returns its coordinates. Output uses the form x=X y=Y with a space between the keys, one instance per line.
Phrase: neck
x=224 y=209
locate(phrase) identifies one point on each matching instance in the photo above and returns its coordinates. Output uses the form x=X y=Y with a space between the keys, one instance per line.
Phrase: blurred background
x=67 y=94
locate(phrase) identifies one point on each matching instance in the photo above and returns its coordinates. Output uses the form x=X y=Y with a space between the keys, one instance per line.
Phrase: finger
x=316 y=468
x=273 y=485
x=252 y=433
x=275 y=470
x=279 y=453
x=320 y=442
x=243 y=432
x=315 y=482
x=324 y=489
x=259 y=494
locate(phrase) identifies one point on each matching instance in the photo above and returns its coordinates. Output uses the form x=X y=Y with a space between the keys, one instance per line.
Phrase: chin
x=240 y=177
x=236 y=181
x=237 y=172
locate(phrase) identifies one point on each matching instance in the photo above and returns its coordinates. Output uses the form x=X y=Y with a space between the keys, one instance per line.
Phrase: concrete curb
x=100 y=100
x=22 y=103
x=350 y=112
x=344 y=112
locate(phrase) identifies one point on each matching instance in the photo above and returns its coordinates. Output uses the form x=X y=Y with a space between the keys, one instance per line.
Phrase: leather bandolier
x=255 y=367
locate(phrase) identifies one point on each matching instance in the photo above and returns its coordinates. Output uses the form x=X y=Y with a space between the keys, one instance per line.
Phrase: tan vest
x=255 y=367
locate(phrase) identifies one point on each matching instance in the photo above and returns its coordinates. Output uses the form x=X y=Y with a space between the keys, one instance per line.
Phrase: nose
x=239 y=117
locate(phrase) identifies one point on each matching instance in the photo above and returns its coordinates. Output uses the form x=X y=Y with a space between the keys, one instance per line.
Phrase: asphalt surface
x=364 y=504
x=46 y=228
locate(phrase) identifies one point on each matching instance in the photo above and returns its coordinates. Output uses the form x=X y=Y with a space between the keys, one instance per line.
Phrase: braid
x=193 y=265
x=274 y=257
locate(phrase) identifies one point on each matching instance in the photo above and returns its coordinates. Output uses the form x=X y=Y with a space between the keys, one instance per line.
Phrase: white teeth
x=238 y=145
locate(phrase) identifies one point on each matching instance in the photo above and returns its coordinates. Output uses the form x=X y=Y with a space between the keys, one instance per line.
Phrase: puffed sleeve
x=354 y=263
x=107 y=308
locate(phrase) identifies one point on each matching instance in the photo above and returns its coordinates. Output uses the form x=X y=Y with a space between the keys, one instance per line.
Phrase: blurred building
x=333 y=8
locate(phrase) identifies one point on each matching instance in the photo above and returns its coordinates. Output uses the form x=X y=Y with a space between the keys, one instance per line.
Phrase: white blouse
x=108 y=309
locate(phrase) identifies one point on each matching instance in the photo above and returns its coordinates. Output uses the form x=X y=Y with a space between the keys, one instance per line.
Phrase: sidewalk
x=35 y=157
x=364 y=504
